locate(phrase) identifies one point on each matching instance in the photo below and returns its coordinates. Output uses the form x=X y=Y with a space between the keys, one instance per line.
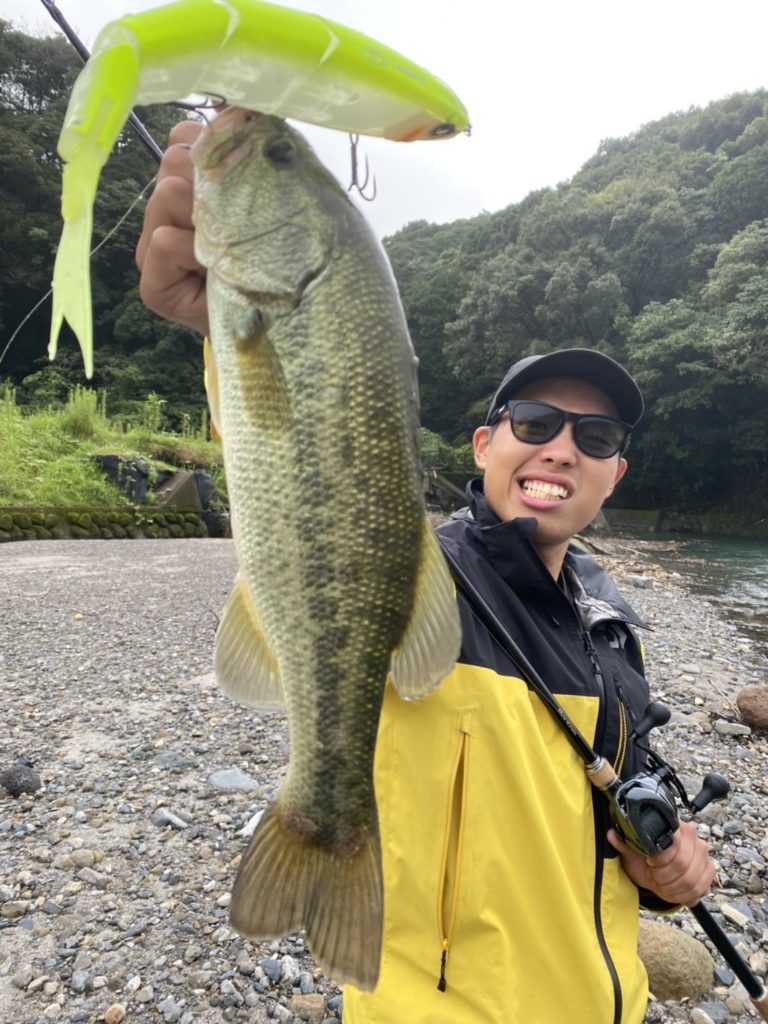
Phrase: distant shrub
x=83 y=415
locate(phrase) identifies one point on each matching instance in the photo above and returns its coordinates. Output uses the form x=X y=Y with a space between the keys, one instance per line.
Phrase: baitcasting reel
x=644 y=808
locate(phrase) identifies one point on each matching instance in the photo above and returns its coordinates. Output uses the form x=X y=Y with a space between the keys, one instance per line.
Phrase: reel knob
x=655 y=714
x=714 y=787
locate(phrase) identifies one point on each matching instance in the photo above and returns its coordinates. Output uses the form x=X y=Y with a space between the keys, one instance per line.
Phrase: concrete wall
x=98 y=524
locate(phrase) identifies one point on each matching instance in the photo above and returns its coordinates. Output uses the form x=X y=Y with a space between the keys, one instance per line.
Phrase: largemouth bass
x=312 y=386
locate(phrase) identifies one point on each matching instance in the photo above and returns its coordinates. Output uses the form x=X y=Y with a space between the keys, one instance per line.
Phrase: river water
x=732 y=573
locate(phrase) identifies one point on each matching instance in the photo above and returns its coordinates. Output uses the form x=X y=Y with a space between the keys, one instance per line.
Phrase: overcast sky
x=544 y=81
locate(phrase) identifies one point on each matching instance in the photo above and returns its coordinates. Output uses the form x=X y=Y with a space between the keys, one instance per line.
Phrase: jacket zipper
x=621 y=749
x=600 y=825
x=589 y=647
x=448 y=889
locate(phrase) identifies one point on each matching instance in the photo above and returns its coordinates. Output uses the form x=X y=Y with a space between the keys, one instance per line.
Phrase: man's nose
x=562 y=448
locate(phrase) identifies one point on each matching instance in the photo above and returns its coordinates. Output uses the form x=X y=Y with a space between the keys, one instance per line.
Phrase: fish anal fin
x=430 y=645
x=245 y=666
x=287 y=880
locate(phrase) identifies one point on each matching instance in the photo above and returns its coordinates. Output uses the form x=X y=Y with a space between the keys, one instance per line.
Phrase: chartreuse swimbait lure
x=253 y=54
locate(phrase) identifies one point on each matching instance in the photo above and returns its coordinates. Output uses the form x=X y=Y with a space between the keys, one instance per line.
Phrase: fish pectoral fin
x=211 y=381
x=289 y=880
x=430 y=645
x=245 y=667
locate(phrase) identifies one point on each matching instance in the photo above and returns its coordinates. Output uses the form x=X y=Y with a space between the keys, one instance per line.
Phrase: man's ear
x=480 y=441
x=621 y=469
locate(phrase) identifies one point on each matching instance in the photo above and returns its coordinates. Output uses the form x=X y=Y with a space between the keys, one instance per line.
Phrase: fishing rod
x=643 y=808
x=77 y=43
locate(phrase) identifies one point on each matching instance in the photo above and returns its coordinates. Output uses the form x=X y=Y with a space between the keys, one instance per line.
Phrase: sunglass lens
x=535 y=423
x=598 y=437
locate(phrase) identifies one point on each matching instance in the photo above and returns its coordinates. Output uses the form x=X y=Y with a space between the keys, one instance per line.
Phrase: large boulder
x=752 y=702
x=678 y=966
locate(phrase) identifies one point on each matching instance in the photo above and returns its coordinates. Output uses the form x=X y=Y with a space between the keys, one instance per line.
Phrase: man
x=508 y=898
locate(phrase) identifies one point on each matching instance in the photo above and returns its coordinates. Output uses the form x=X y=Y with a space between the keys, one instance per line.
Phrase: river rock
x=155 y=726
x=309 y=1007
x=232 y=778
x=678 y=966
x=752 y=702
x=20 y=779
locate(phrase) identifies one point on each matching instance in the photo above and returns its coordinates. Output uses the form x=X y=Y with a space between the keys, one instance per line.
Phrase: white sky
x=544 y=81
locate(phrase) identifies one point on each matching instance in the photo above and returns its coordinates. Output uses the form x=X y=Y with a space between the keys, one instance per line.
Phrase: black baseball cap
x=582 y=364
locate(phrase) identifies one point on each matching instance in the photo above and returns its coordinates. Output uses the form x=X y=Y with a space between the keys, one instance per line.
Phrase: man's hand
x=682 y=873
x=172 y=281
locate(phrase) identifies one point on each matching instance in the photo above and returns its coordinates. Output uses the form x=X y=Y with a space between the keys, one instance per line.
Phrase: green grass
x=46 y=455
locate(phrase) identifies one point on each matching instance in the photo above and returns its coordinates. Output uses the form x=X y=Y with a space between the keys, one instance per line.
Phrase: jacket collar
x=508 y=546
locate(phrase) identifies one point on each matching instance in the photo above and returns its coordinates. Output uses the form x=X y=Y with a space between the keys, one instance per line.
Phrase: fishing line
x=116 y=227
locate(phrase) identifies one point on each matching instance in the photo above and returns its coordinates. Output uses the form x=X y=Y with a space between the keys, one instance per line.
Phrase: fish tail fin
x=287 y=881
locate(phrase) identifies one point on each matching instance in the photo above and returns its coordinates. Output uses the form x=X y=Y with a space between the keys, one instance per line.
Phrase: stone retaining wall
x=99 y=524
x=721 y=524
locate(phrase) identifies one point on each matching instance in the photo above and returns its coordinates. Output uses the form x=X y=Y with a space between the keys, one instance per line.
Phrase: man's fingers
x=177 y=163
x=185 y=133
x=170 y=257
x=170 y=205
x=171 y=200
x=172 y=280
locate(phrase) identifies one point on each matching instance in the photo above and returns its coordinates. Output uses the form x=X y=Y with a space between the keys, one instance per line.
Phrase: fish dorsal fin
x=245 y=666
x=431 y=642
x=211 y=381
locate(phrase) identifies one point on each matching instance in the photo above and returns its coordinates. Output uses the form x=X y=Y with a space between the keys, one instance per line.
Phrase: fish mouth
x=226 y=142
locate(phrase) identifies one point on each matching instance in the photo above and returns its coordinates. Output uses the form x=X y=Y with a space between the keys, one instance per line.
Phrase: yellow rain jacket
x=504 y=902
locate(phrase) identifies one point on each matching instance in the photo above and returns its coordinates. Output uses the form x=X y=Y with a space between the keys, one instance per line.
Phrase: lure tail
x=72 y=287
x=99 y=106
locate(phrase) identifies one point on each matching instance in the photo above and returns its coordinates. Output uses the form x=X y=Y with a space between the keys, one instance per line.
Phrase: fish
x=256 y=54
x=341 y=582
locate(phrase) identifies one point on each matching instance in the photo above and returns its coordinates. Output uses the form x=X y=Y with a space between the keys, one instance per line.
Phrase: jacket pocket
x=452 y=850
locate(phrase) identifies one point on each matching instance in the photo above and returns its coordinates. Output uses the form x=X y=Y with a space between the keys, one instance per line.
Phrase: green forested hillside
x=656 y=252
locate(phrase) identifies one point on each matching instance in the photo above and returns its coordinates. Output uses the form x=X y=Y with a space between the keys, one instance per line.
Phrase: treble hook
x=211 y=102
x=355 y=183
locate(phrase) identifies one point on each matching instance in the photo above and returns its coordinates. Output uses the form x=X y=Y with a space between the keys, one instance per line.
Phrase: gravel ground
x=116 y=873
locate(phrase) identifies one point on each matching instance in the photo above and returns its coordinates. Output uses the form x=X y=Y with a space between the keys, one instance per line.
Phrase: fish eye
x=280 y=151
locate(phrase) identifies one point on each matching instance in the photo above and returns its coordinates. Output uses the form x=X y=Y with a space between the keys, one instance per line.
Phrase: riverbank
x=117 y=872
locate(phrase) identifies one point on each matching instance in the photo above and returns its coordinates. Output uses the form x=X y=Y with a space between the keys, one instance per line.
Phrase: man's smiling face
x=554 y=482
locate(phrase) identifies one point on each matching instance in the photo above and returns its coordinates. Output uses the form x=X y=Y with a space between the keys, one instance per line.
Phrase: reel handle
x=714 y=787
x=656 y=714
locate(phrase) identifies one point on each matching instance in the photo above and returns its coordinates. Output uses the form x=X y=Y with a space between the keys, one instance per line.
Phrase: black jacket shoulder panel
x=554 y=634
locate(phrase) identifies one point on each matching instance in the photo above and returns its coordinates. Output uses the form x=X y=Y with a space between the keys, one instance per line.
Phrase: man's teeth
x=540 y=489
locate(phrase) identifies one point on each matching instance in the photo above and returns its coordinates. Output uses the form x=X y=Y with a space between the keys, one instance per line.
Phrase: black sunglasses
x=538 y=422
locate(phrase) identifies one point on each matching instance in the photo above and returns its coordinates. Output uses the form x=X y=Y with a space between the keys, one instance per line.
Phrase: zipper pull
x=441 y=985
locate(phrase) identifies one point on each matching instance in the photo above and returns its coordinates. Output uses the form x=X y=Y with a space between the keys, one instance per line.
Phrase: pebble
x=232 y=778
x=117 y=870
x=732 y=728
